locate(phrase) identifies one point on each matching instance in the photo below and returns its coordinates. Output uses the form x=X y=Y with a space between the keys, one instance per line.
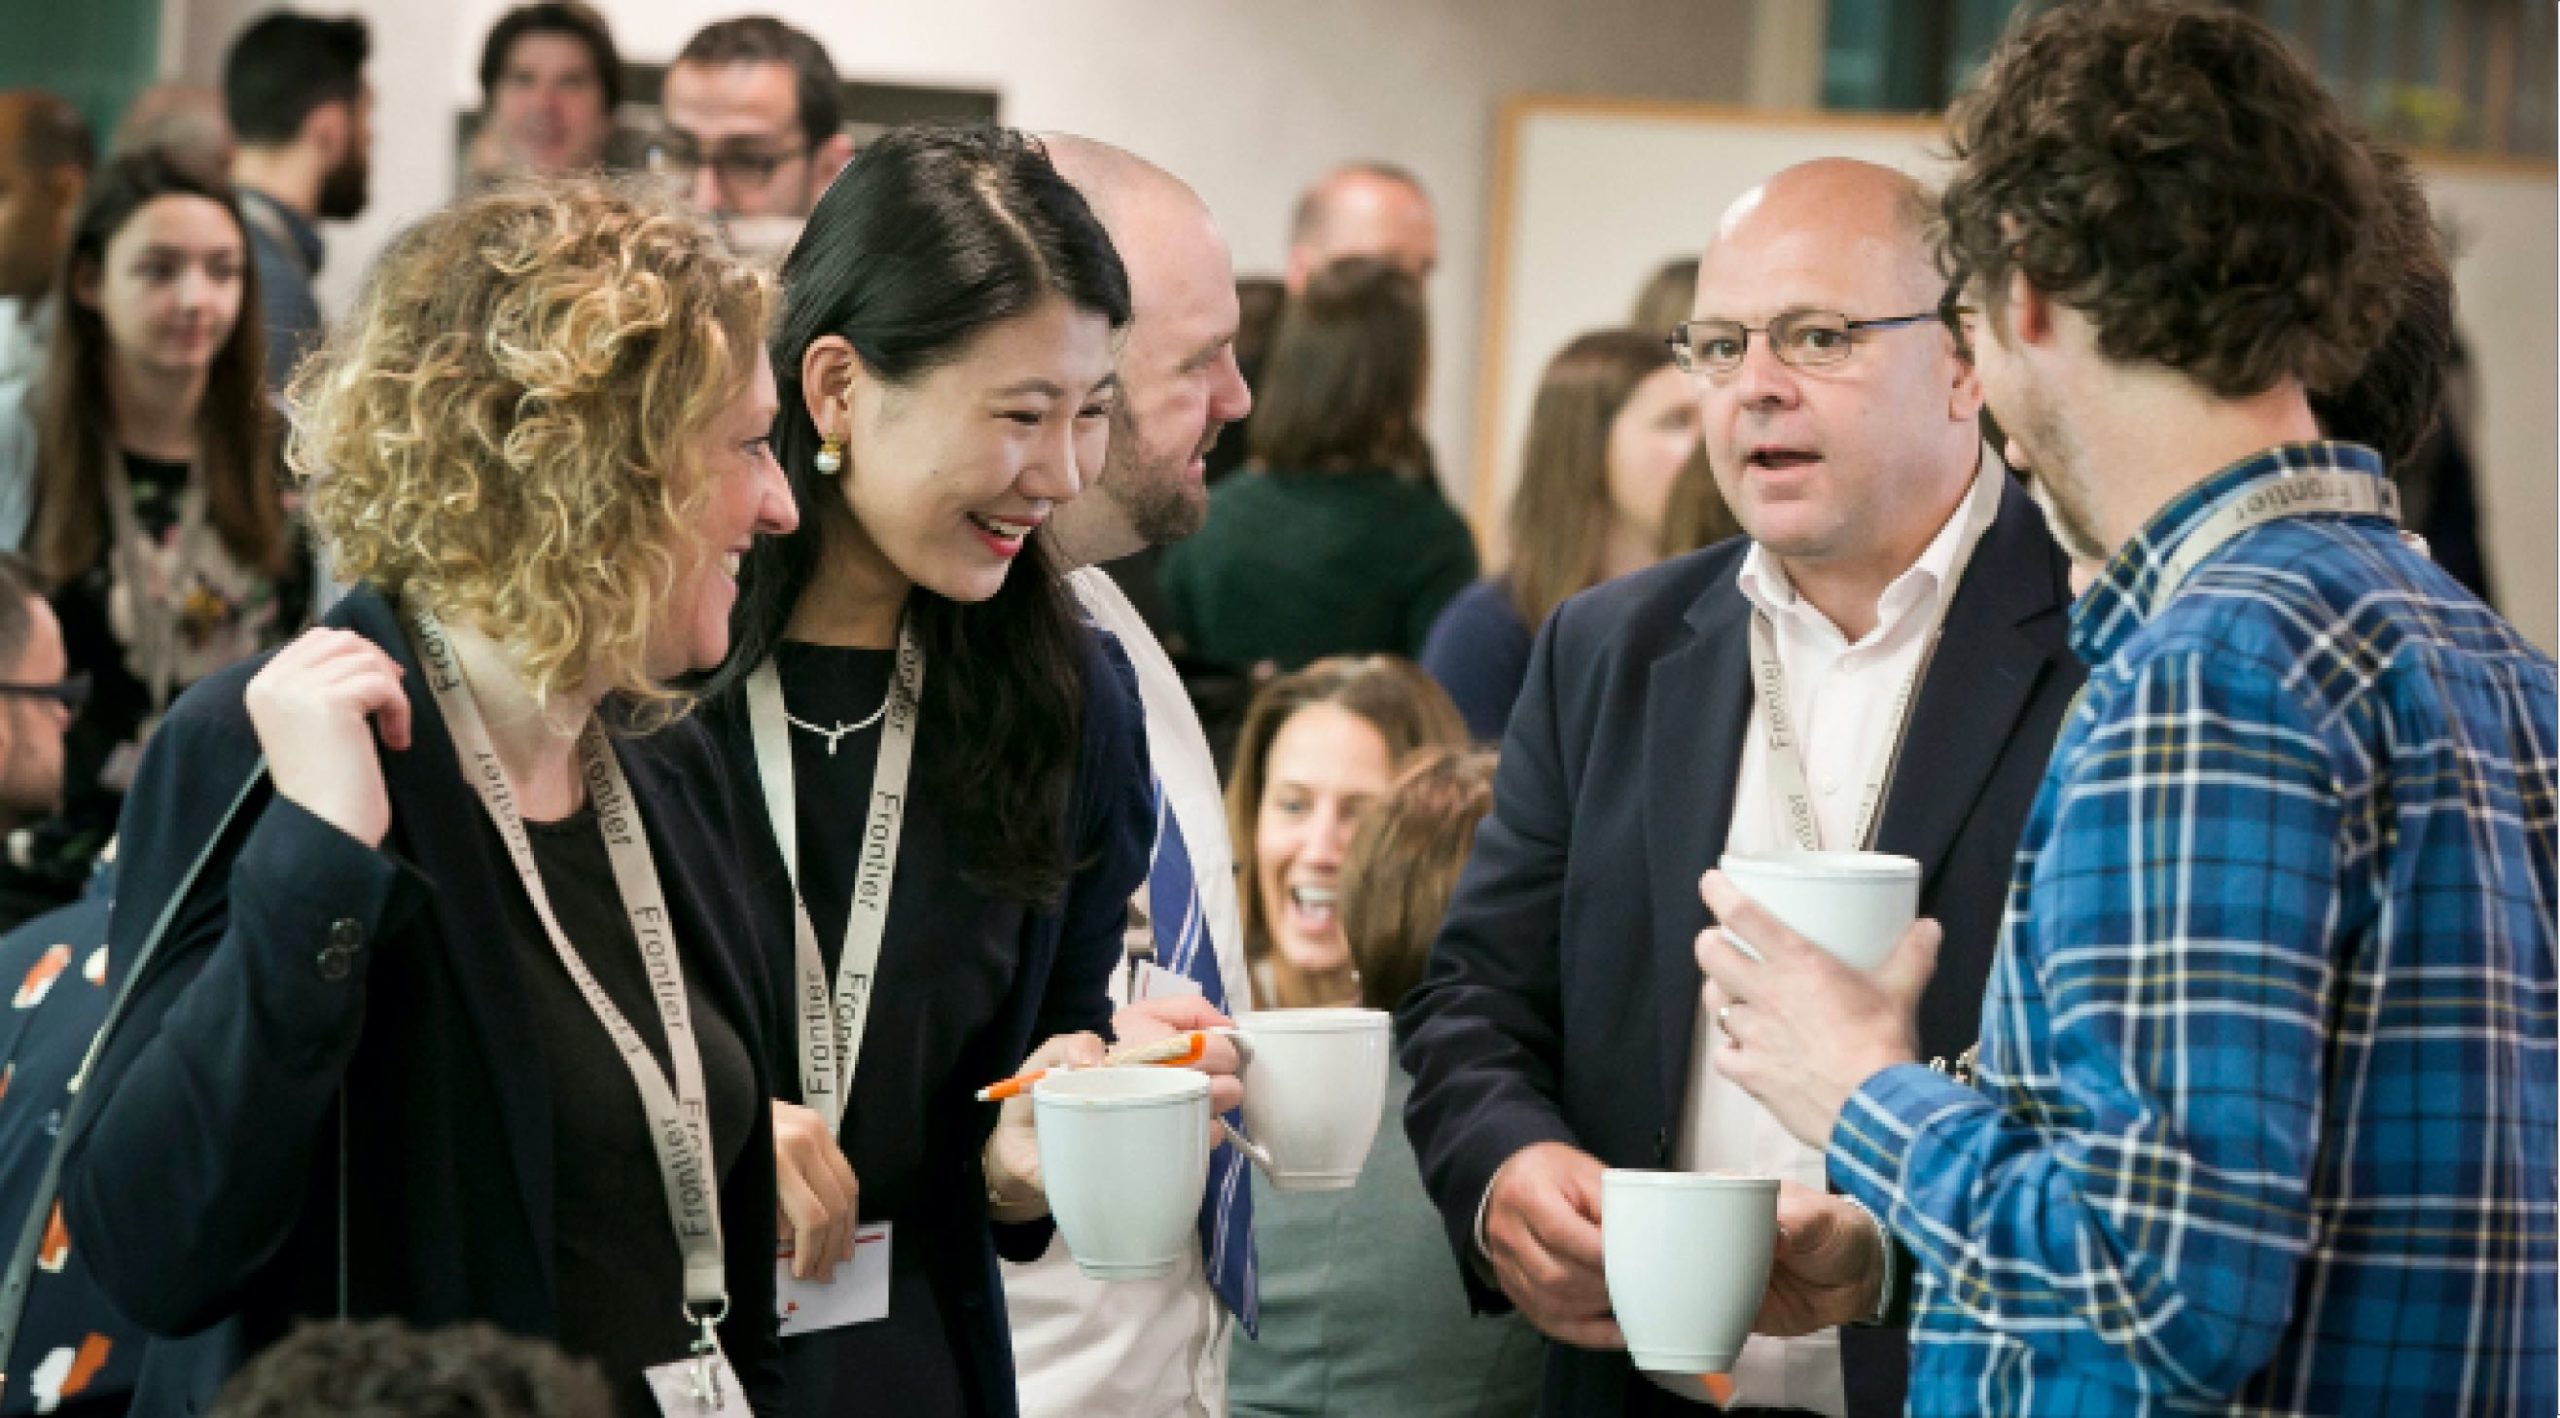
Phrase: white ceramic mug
x=1687 y=1258
x=1315 y=1085
x=1854 y=904
x=1124 y=1157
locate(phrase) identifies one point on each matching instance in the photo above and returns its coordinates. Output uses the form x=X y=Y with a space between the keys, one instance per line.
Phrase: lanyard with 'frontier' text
x=679 y=1121
x=1786 y=751
x=831 y=1021
x=2292 y=495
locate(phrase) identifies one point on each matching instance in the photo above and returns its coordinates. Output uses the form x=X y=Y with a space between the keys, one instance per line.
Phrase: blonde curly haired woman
x=460 y=1021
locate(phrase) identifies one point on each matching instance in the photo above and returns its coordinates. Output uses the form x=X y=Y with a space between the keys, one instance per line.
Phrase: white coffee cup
x=1315 y=1085
x=1124 y=1157
x=1854 y=904
x=1687 y=1258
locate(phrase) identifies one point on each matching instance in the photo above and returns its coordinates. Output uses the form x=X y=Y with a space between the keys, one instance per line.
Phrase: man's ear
x=328 y=129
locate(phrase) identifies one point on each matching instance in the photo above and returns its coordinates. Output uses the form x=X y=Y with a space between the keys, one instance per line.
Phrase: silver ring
x=1724 y=1017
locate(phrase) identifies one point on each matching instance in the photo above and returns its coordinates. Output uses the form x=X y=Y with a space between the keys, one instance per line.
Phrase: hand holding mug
x=1012 y=1156
x=1542 y=1235
x=1146 y=1021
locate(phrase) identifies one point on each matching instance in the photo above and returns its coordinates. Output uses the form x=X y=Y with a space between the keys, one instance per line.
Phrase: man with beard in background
x=294 y=88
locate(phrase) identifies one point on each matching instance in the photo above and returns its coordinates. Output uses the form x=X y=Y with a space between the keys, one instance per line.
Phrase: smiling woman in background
x=1614 y=425
x=1318 y=747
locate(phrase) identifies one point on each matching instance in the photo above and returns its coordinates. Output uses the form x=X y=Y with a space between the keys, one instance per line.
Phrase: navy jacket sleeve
x=1481 y=1034
x=190 y=1171
x=1479 y=651
x=1114 y=838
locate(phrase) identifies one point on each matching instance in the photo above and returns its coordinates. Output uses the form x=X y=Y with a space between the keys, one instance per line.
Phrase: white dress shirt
x=1142 y=1348
x=1842 y=698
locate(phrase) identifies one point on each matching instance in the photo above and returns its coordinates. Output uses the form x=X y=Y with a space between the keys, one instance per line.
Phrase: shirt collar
x=2125 y=595
x=305 y=235
x=1764 y=581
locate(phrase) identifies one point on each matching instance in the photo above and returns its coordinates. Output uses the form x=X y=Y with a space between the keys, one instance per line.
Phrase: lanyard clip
x=706 y=1349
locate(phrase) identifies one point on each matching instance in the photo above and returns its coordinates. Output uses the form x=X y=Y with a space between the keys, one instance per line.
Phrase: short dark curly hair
x=384 y=1369
x=2178 y=176
x=2393 y=403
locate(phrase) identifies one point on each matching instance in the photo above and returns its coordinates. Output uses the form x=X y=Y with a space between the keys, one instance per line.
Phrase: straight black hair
x=932 y=236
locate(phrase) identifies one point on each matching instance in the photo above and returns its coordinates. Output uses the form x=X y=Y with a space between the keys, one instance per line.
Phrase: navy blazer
x=325 y=1014
x=1561 y=999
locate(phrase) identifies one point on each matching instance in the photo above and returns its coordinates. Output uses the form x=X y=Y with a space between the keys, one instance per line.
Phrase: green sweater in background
x=1362 y=1310
x=1293 y=567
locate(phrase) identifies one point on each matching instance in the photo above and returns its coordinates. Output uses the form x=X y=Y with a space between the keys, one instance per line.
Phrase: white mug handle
x=1251 y=1149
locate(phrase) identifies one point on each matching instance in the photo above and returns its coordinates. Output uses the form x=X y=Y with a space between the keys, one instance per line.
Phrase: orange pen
x=1177 y=1051
x=1719 y=1388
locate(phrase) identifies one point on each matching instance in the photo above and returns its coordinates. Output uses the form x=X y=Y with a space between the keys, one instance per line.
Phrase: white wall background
x=1599 y=194
x=1248 y=99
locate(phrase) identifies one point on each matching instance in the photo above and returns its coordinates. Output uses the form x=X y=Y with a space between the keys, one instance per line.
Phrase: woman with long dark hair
x=953 y=766
x=150 y=503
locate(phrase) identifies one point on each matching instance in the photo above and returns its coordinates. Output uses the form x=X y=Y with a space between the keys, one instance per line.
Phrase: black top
x=967 y=984
x=231 y=613
x=621 y=1271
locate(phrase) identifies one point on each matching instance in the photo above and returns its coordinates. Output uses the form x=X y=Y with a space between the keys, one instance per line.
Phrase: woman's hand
x=820 y=1199
x=1147 y=1020
x=1012 y=1158
x=316 y=707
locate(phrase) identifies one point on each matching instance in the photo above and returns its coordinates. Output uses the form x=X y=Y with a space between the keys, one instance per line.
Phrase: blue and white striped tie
x=1183 y=946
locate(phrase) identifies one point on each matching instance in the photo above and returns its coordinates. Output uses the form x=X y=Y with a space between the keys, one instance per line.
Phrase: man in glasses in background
x=37 y=699
x=754 y=128
x=1899 y=606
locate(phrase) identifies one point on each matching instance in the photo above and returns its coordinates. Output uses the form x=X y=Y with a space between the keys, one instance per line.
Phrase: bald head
x=1363 y=209
x=1178 y=379
x=1857 y=207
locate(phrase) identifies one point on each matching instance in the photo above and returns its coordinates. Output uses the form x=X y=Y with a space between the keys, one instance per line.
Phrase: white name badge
x=705 y=1387
x=1155 y=982
x=858 y=1293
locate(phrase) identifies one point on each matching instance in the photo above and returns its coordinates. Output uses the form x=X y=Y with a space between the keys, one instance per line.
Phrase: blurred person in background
x=39 y=692
x=45 y=157
x=1366 y=208
x=385 y=1369
x=1363 y=1311
x=1319 y=746
x=1664 y=300
x=550 y=80
x=753 y=129
x=1612 y=427
x=465 y=1017
x=141 y=474
x=183 y=120
x=1082 y=1346
x=301 y=114
x=1338 y=542
x=1258 y=302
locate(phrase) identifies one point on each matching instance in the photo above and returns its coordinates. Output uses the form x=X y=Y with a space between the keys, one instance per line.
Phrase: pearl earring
x=830 y=459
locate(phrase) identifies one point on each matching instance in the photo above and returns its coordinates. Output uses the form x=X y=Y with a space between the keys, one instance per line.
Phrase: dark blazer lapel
x=435 y=826
x=1980 y=680
x=1697 y=710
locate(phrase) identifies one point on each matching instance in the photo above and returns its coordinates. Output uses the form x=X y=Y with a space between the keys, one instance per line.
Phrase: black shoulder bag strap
x=22 y=1259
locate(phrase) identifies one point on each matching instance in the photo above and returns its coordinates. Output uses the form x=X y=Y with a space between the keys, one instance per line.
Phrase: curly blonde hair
x=504 y=428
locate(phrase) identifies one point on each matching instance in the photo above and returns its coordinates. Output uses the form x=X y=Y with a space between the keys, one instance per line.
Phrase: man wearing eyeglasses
x=37 y=697
x=754 y=121
x=1898 y=607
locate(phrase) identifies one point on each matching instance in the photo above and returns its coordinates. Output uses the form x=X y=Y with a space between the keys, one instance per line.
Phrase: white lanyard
x=831 y=1021
x=2292 y=495
x=1786 y=751
x=679 y=1123
x=154 y=600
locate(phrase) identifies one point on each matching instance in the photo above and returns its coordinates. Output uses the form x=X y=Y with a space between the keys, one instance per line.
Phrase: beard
x=1155 y=492
x=344 y=191
x=2040 y=448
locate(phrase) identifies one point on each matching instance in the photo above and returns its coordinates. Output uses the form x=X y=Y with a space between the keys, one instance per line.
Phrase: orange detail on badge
x=93 y=1357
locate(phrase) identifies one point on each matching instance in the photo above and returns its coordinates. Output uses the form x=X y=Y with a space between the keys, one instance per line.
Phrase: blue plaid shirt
x=2265 y=1114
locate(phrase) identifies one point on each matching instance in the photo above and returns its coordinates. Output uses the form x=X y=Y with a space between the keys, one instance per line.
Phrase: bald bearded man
x=1560 y=1029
